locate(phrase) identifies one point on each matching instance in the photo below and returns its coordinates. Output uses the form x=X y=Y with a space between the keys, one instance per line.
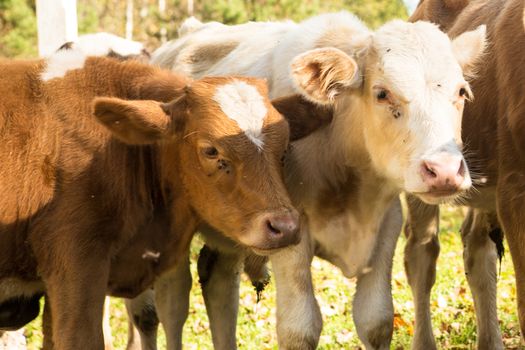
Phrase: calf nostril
x=272 y=228
x=461 y=170
x=430 y=170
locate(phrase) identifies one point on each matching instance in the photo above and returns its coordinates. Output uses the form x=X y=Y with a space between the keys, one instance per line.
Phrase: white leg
x=143 y=320
x=106 y=328
x=480 y=259
x=373 y=309
x=421 y=253
x=299 y=319
x=219 y=273
x=172 y=298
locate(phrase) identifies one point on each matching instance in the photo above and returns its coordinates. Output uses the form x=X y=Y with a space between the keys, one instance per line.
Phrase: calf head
x=404 y=91
x=224 y=142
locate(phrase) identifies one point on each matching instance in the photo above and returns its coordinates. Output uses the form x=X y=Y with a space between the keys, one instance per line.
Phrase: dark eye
x=210 y=152
x=462 y=92
x=382 y=95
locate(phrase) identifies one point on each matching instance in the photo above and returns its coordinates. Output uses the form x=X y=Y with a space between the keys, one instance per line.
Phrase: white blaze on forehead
x=244 y=104
x=100 y=44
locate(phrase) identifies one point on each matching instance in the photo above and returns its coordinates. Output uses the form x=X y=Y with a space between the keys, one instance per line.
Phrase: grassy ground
x=452 y=307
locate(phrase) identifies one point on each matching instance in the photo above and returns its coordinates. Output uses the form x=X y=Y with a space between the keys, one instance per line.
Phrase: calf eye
x=210 y=152
x=382 y=95
x=462 y=92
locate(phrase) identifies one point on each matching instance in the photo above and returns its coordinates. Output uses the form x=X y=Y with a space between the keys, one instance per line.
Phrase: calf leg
x=172 y=298
x=219 y=274
x=421 y=252
x=510 y=199
x=76 y=295
x=47 y=328
x=373 y=309
x=299 y=319
x=480 y=258
x=106 y=328
x=142 y=317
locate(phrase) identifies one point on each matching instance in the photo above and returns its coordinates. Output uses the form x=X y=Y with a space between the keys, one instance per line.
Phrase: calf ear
x=303 y=116
x=133 y=122
x=468 y=48
x=322 y=74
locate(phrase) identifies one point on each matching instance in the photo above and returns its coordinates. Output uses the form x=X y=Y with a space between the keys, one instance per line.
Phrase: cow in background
x=493 y=132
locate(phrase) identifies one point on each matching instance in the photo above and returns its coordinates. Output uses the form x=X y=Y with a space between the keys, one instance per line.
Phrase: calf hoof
x=17 y=312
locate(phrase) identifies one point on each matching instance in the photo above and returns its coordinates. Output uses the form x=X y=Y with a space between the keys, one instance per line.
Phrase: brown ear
x=322 y=74
x=133 y=122
x=303 y=116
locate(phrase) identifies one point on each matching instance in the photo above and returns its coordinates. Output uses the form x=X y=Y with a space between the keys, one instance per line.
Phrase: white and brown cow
x=109 y=167
x=398 y=96
x=493 y=130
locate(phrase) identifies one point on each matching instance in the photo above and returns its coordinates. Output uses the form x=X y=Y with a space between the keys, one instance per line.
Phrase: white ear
x=468 y=48
x=322 y=74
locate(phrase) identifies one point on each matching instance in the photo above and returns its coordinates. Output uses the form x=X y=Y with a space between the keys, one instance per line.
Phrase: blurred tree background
x=155 y=21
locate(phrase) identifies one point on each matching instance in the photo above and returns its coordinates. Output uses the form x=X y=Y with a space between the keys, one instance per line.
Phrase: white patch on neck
x=244 y=104
x=100 y=44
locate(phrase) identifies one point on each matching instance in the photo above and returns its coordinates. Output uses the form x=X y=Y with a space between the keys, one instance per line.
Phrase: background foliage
x=18 y=35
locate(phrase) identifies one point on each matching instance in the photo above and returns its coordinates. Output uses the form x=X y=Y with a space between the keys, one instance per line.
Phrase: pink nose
x=282 y=230
x=445 y=175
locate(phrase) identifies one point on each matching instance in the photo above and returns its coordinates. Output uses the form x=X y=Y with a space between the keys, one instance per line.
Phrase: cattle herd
x=278 y=142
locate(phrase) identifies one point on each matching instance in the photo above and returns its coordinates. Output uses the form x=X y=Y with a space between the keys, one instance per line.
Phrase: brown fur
x=200 y=59
x=88 y=214
x=493 y=126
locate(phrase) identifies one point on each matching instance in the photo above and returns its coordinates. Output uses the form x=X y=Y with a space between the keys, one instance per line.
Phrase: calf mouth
x=266 y=251
x=440 y=197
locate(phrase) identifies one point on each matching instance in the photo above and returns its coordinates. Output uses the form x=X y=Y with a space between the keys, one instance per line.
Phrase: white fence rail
x=57 y=24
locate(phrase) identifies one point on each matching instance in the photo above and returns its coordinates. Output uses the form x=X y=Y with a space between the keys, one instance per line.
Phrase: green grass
x=452 y=306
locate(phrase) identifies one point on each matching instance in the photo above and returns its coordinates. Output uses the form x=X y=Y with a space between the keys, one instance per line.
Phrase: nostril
x=272 y=228
x=461 y=170
x=430 y=171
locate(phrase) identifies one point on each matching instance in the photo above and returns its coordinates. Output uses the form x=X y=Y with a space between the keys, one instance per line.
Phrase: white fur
x=99 y=44
x=58 y=64
x=242 y=103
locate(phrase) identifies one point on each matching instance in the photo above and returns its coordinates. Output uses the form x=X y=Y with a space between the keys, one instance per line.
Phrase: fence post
x=57 y=24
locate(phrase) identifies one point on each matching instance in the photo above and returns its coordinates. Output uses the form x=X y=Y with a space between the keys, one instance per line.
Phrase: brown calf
x=94 y=205
x=493 y=132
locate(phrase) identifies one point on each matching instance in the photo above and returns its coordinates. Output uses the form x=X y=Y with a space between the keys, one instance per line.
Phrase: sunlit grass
x=452 y=306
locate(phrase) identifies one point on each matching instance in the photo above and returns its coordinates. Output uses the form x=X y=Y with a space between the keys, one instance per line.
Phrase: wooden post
x=129 y=19
x=190 y=8
x=57 y=24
